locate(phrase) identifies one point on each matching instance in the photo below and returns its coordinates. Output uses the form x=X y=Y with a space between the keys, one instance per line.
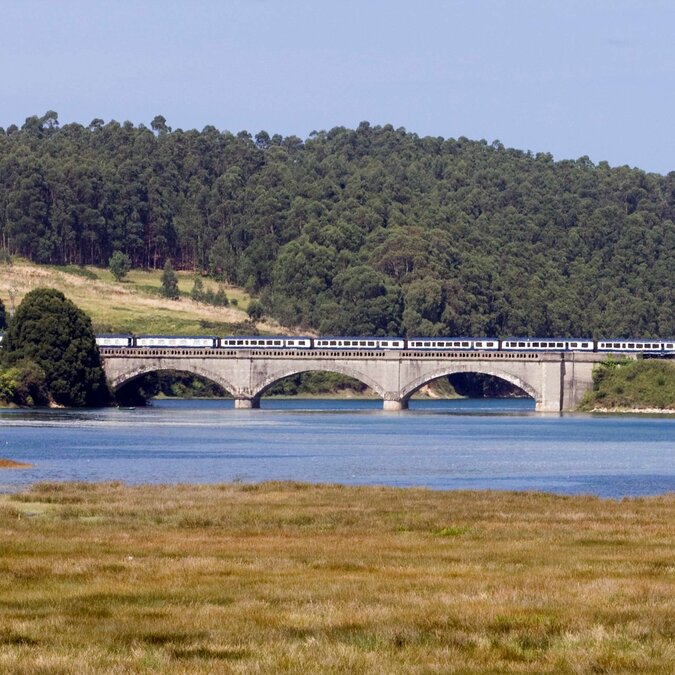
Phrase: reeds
x=288 y=577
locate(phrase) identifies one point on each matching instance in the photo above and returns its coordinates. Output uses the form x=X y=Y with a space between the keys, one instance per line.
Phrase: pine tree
x=169 y=282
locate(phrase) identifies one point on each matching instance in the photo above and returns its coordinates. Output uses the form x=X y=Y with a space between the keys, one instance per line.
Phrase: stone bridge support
x=555 y=381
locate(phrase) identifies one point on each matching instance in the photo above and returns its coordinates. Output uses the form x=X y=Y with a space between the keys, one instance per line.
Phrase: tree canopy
x=119 y=265
x=447 y=236
x=51 y=332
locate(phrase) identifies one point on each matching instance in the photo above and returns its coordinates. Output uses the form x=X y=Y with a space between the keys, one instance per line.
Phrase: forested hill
x=367 y=231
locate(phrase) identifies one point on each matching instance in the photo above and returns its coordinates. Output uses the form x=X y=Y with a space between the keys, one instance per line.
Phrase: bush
x=255 y=310
x=52 y=333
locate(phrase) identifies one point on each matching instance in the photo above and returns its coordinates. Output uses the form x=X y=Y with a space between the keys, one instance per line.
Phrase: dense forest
x=368 y=231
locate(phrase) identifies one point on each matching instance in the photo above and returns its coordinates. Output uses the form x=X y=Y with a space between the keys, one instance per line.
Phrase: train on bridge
x=651 y=347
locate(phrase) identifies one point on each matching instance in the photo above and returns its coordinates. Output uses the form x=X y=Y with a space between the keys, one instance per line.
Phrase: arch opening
x=471 y=383
x=140 y=387
x=319 y=381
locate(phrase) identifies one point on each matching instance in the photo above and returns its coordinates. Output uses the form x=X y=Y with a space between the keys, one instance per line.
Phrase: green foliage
x=645 y=383
x=119 y=265
x=52 y=333
x=197 y=292
x=217 y=299
x=3 y=316
x=169 y=282
x=24 y=384
x=315 y=383
x=447 y=236
x=255 y=310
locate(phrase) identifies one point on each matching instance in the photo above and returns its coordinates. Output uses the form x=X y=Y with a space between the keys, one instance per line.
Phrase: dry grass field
x=132 y=305
x=282 y=577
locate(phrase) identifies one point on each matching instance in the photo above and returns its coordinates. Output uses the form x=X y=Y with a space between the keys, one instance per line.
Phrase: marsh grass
x=291 y=577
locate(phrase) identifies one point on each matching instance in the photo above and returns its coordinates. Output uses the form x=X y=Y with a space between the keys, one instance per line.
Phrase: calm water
x=437 y=444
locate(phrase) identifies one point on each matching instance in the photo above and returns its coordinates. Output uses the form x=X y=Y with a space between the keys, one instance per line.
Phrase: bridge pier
x=246 y=403
x=395 y=406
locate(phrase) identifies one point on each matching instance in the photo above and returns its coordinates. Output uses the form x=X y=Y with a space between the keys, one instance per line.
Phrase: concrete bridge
x=556 y=381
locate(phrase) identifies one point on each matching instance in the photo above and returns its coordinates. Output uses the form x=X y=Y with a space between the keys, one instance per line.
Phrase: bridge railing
x=208 y=353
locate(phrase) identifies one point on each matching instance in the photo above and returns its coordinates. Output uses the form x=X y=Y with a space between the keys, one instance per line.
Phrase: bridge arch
x=411 y=387
x=271 y=379
x=126 y=376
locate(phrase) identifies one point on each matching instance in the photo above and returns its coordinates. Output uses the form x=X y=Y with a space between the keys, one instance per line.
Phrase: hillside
x=369 y=231
x=135 y=304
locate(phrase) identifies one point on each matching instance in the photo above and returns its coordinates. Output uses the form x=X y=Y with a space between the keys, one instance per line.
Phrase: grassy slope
x=133 y=305
x=305 y=579
x=648 y=383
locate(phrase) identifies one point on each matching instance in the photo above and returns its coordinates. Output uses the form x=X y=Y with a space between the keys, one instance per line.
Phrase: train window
x=669 y=345
x=584 y=345
x=573 y=345
x=521 y=344
x=291 y=342
x=465 y=344
x=371 y=344
x=560 y=344
x=332 y=343
x=631 y=345
x=536 y=344
x=479 y=344
x=617 y=345
x=277 y=342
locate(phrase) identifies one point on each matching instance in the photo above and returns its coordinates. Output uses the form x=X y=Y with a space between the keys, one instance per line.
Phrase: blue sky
x=572 y=77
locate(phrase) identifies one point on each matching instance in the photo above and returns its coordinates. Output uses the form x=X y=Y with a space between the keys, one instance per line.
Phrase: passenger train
x=532 y=344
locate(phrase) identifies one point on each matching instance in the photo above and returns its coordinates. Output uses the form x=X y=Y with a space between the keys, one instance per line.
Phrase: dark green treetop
x=3 y=316
x=49 y=330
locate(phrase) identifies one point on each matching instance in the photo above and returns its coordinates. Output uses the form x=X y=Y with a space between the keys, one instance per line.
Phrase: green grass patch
x=640 y=384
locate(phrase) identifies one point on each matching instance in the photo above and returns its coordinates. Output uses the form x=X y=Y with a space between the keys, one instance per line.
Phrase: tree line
x=373 y=230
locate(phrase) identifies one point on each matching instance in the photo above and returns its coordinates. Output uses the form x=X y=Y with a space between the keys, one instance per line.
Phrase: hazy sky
x=570 y=77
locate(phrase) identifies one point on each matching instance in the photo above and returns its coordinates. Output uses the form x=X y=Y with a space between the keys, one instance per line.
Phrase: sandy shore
x=11 y=464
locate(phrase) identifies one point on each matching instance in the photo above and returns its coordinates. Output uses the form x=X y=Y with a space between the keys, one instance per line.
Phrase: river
x=458 y=444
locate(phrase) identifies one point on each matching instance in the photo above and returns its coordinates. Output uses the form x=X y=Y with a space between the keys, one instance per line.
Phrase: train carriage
x=265 y=342
x=348 y=342
x=538 y=344
x=114 y=340
x=644 y=346
x=178 y=341
x=453 y=343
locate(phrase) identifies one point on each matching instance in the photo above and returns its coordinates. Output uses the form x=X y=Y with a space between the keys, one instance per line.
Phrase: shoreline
x=630 y=411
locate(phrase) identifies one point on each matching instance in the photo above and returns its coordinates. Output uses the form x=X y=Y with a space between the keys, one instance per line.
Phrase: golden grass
x=283 y=577
x=11 y=464
x=133 y=305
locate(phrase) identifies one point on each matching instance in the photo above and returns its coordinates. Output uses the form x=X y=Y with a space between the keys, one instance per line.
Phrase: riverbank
x=645 y=385
x=287 y=577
